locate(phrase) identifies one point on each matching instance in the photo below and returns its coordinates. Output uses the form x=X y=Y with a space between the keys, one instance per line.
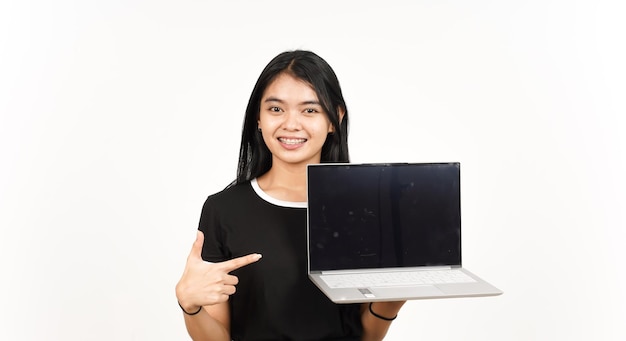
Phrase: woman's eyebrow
x=276 y=99
x=273 y=99
x=310 y=103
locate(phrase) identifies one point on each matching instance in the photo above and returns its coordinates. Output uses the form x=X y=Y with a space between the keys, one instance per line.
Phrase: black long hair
x=255 y=159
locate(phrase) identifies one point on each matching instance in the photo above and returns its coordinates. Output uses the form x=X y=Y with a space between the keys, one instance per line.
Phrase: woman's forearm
x=203 y=327
x=375 y=327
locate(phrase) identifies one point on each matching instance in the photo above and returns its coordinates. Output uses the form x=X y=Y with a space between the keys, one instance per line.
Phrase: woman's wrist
x=391 y=318
x=387 y=311
x=190 y=310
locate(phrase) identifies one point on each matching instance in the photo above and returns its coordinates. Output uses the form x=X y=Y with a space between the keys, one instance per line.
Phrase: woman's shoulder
x=227 y=201
x=233 y=191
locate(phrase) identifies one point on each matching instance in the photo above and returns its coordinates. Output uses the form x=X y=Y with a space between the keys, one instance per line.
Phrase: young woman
x=296 y=116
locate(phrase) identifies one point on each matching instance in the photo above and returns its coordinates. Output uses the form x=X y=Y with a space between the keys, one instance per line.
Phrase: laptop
x=387 y=232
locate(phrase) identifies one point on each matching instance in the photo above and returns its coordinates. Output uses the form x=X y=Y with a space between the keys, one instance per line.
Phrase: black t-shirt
x=275 y=300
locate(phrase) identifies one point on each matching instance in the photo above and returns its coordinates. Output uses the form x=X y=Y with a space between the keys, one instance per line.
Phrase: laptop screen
x=364 y=216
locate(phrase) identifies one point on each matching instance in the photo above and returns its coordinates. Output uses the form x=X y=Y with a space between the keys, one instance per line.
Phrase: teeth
x=291 y=141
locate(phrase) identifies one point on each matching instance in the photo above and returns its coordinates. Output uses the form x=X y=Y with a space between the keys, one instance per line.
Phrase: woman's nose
x=292 y=120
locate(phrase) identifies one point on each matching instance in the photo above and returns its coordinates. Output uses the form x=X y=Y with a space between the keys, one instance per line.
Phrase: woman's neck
x=285 y=183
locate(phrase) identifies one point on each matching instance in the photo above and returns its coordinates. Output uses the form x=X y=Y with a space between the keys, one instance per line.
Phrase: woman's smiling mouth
x=291 y=141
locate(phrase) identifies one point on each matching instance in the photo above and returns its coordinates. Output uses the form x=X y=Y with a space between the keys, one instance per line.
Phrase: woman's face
x=293 y=124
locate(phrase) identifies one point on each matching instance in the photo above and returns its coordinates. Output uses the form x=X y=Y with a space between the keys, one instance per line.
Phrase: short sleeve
x=214 y=249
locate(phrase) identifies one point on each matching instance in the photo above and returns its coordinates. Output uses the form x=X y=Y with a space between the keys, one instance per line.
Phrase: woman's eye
x=274 y=109
x=310 y=110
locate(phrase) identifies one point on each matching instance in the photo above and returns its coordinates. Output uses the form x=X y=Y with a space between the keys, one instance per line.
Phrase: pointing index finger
x=239 y=262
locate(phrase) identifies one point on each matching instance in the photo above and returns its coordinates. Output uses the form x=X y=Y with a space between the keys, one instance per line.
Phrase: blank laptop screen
x=384 y=215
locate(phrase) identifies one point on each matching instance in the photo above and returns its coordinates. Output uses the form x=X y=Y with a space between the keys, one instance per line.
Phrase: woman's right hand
x=205 y=283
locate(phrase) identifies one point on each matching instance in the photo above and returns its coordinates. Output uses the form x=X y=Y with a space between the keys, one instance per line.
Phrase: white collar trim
x=272 y=200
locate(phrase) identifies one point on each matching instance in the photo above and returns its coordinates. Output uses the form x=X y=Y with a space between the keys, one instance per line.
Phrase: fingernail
x=258 y=256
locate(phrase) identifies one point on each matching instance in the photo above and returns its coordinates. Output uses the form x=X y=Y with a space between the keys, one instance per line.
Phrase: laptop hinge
x=359 y=271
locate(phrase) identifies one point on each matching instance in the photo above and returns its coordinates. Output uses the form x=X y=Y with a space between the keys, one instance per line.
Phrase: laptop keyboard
x=403 y=278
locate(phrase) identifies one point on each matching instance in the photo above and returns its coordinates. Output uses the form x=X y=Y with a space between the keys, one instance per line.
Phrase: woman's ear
x=340 y=113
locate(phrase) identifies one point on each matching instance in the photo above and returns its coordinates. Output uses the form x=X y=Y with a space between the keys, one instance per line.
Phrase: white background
x=118 y=118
